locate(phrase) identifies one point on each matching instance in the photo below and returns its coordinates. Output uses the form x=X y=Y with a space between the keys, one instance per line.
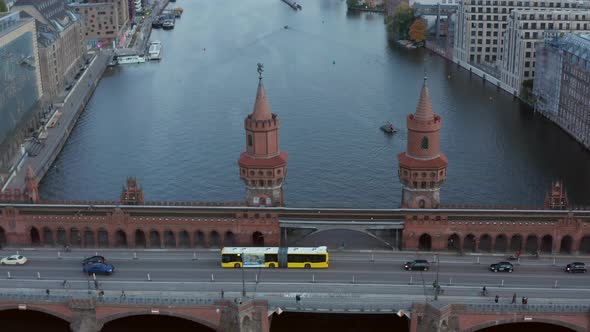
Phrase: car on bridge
x=14 y=260
x=575 y=267
x=98 y=268
x=502 y=266
x=93 y=259
x=417 y=265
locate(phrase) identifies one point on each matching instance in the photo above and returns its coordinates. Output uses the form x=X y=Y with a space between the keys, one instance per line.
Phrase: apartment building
x=525 y=28
x=562 y=83
x=61 y=42
x=101 y=23
x=20 y=80
x=480 y=26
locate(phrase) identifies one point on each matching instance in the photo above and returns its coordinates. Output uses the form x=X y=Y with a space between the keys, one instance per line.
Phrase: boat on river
x=129 y=59
x=155 y=50
x=168 y=24
x=389 y=128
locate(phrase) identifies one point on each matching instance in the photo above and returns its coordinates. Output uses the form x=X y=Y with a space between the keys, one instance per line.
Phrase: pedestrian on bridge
x=514 y=298
x=47 y=292
x=298 y=298
x=222 y=293
x=497 y=298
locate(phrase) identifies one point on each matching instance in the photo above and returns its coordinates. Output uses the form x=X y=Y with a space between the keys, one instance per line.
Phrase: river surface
x=177 y=125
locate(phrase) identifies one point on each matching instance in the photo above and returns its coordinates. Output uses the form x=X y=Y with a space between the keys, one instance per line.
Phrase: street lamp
x=243 y=278
x=436 y=286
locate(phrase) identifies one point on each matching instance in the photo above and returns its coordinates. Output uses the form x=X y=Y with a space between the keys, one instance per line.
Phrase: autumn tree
x=398 y=24
x=418 y=31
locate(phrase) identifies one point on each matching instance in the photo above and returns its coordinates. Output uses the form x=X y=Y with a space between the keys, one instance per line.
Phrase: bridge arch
x=425 y=242
x=47 y=236
x=103 y=238
x=2 y=236
x=321 y=230
x=501 y=243
x=566 y=244
x=109 y=319
x=485 y=243
x=469 y=243
x=184 y=239
x=35 y=237
x=41 y=309
x=257 y=239
x=585 y=245
x=454 y=242
x=493 y=323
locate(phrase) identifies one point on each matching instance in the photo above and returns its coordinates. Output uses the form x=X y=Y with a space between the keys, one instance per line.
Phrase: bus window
x=271 y=258
x=229 y=258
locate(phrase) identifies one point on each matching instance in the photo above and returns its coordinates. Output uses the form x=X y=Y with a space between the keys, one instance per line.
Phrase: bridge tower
x=556 y=198
x=263 y=166
x=132 y=194
x=31 y=186
x=422 y=167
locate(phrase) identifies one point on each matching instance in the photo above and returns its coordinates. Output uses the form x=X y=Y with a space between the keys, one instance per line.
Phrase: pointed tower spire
x=263 y=166
x=422 y=167
x=424 y=108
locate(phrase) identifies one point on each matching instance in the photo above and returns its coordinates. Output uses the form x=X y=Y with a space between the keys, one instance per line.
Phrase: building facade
x=61 y=42
x=562 y=86
x=20 y=79
x=480 y=27
x=104 y=21
x=524 y=30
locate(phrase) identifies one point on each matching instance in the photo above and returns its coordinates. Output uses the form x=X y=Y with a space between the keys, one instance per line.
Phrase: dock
x=293 y=4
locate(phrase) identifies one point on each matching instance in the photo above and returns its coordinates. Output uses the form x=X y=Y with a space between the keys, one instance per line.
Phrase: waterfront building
x=525 y=28
x=61 y=42
x=422 y=167
x=104 y=20
x=480 y=27
x=562 y=84
x=20 y=79
x=263 y=166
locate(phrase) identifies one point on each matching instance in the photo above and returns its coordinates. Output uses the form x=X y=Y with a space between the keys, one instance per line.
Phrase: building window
x=424 y=143
x=249 y=140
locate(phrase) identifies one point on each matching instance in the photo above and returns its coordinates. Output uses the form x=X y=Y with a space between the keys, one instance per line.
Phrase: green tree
x=398 y=24
x=349 y=3
x=3 y=7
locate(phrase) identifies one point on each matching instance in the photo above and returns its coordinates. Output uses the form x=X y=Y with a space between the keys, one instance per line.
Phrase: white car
x=13 y=260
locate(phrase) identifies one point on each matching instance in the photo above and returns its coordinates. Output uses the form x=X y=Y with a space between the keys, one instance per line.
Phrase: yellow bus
x=272 y=257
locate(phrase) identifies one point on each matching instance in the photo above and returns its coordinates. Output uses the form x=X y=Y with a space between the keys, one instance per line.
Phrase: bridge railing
x=525 y=308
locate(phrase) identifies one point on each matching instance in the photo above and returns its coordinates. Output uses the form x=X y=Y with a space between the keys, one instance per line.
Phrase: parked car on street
x=417 y=265
x=14 y=260
x=575 y=267
x=502 y=267
x=94 y=259
x=98 y=268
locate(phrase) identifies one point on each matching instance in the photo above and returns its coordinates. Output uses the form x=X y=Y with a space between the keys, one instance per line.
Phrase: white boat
x=168 y=24
x=155 y=50
x=129 y=59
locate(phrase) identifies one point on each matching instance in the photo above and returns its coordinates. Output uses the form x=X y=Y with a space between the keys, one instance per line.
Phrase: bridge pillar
x=84 y=319
x=426 y=318
x=244 y=316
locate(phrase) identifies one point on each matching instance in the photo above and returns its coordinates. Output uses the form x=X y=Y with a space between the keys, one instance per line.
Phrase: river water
x=333 y=79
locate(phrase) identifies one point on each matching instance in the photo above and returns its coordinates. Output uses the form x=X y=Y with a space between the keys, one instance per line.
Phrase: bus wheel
x=237 y=265
x=271 y=265
x=308 y=266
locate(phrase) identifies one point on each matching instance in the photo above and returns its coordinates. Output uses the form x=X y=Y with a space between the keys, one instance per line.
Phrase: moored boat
x=129 y=59
x=155 y=50
x=388 y=128
x=168 y=24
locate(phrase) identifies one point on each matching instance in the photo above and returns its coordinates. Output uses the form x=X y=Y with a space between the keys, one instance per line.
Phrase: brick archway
x=2 y=236
x=516 y=243
x=35 y=237
x=184 y=239
x=103 y=238
x=566 y=245
x=501 y=244
x=584 y=247
x=469 y=243
x=492 y=323
x=47 y=236
x=33 y=307
x=454 y=242
x=425 y=242
x=485 y=243
x=144 y=312
x=121 y=239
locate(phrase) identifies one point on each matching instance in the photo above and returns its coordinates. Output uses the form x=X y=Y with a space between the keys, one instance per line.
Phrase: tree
x=3 y=7
x=399 y=23
x=349 y=3
x=418 y=31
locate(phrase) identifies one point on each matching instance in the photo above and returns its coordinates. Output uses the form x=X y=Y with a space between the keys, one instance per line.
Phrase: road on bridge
x=354 y=276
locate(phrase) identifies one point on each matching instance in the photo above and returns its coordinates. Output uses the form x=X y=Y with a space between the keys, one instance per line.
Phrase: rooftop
x=12 y=21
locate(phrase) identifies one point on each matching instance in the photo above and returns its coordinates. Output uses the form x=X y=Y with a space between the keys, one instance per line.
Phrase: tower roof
x=261 y=107
x=424 y=108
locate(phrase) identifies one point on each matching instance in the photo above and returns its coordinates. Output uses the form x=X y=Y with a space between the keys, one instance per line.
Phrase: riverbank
x=66 y=112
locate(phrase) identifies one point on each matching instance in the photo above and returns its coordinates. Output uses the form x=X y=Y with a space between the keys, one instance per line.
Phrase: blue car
x=98 y=268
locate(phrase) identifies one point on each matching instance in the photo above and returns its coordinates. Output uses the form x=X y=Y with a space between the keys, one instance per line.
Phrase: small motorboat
x=388 y=128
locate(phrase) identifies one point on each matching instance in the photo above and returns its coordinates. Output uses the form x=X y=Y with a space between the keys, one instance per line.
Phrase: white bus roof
x=273 y=250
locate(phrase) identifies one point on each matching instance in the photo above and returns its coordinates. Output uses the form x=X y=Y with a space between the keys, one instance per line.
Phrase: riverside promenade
x=67 y=111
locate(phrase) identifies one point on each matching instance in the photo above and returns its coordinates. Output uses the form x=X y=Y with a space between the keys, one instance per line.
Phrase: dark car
x=98 y=268
x=575 y=267
x=93 y=259
x=502 y=266
x=417 y=264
